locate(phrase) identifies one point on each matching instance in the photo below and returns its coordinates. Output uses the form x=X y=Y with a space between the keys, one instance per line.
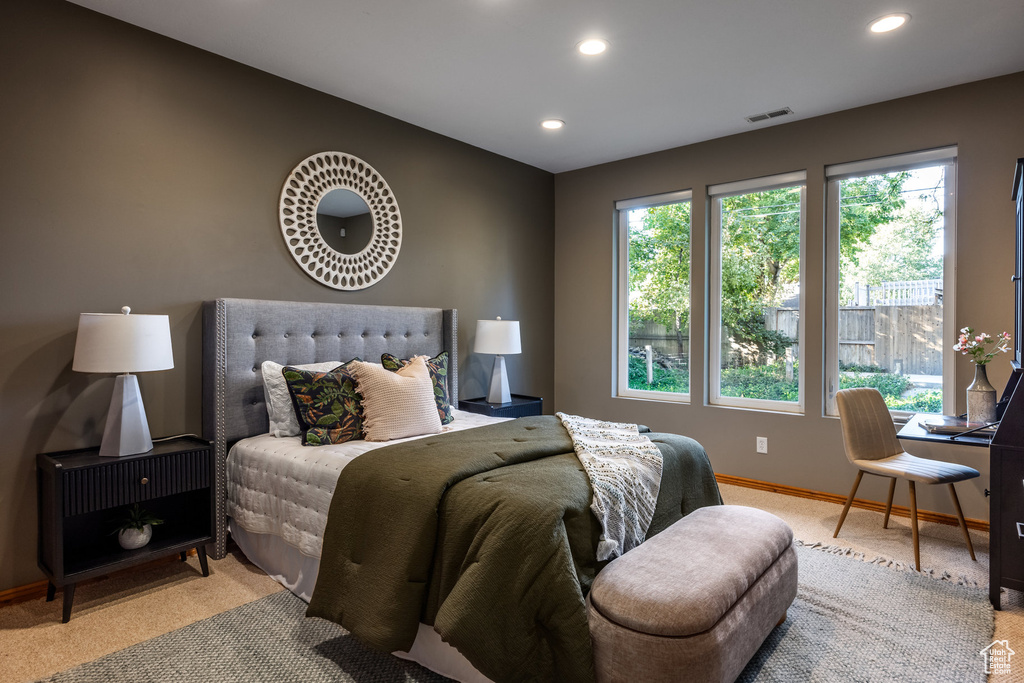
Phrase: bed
x=273 y=492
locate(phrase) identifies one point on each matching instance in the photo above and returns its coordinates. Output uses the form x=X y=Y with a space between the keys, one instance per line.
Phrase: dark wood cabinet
x=82 y=497
x=1018 y=267
x=520 y=406
x=1006 y=514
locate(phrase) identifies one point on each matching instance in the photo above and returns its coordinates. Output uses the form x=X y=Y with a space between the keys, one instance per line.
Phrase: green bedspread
x=487 y=534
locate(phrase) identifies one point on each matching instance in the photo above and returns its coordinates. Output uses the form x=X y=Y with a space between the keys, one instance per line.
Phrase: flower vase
x=130 y=539
x=981 y=397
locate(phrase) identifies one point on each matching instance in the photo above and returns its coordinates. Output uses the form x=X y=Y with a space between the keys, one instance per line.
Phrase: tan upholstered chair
x=872 y=446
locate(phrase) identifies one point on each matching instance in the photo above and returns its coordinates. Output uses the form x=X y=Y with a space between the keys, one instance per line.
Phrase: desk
x=1006 y=534
x=913 y=431
x=965 y=450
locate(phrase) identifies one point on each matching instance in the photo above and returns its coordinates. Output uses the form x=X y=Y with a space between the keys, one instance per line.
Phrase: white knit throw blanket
x=625 y=472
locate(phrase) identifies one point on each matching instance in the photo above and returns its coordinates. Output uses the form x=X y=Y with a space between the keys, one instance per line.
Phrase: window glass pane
x=891 y=235
x=658 y=307
x=760 y=290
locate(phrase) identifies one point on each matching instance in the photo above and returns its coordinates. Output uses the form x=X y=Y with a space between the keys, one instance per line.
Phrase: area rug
x=860 y=621
x=852 y=621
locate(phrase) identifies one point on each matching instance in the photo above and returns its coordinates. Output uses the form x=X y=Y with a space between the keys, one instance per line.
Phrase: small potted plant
x=136 y=527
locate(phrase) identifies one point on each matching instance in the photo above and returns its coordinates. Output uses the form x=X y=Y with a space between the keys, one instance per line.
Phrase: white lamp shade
x=119 y=343
x=497 y=336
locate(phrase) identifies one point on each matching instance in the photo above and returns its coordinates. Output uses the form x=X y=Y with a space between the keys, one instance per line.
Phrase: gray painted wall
x=983 y=118
x=138 y=171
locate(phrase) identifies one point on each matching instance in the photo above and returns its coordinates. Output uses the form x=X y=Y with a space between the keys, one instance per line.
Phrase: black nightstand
x=521 y=406
x=82 y=496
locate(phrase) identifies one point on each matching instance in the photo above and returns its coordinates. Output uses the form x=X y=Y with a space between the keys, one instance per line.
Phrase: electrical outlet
x=762 y=444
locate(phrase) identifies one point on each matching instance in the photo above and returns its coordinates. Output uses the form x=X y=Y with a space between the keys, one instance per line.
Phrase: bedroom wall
x=135 y=170
x=983 y=118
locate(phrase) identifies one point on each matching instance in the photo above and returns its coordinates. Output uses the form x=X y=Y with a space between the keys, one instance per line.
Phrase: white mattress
x=277 y=486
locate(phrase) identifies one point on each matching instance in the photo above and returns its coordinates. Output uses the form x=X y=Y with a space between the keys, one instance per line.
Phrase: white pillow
x=396 y=404
x=279 y=402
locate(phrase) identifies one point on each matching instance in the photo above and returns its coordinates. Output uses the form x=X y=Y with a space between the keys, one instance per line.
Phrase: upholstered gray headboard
x=239 y=334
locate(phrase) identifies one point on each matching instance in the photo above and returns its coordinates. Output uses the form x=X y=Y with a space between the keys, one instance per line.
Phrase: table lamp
x=499 y=337
x=123 y=343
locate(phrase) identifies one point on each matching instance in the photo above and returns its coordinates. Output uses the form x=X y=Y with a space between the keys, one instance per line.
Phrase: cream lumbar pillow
x=397 y=404
x=280 y=410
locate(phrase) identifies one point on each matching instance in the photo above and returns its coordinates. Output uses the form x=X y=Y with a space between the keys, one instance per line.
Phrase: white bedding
x=278 y=486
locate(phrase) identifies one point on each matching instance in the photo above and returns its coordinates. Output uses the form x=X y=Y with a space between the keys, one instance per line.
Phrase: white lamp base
x=127 y=431
x=498 y=392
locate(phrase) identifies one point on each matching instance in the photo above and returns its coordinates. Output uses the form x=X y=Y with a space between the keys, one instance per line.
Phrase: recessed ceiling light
x=890 y=22
x=552 y=124
x=592 y=46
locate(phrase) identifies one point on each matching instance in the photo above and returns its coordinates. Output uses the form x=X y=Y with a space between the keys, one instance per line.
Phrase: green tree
x=761 y=249
x=659 y=267
x=760 y=246
x=903 y=249
x=761 y=234
x=760 y=254
x=867 y=202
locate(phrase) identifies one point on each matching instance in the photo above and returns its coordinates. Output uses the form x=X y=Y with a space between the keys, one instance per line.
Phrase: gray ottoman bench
x=695 y=602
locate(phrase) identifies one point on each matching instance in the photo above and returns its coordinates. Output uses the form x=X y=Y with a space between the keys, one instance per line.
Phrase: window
x=890 y=244
x=653 y=297
x=756 y=261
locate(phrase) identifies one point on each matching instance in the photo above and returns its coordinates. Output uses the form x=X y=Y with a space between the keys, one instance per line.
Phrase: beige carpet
x=121 y=610
x=135 y=605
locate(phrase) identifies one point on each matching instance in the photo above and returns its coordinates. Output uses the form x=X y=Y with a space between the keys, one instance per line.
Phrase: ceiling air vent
x=757 y=118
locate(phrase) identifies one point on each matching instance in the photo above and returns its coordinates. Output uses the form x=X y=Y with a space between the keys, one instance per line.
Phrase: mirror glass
x=344 y=221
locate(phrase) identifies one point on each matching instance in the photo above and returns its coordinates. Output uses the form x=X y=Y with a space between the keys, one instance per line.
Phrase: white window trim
x=714 y=354
x=770 y=182
x=946 y=156
x=895 y=162
x=620 y=343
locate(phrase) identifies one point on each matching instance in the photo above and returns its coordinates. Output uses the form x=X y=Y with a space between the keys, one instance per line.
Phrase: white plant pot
x=130 y=539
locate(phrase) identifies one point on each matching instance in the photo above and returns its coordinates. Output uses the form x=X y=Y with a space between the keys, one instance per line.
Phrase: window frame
x=620 y=345
x=942 y=156
x=715 y=193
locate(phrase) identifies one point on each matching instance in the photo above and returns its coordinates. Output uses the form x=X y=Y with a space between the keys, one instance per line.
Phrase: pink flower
x=981 y=347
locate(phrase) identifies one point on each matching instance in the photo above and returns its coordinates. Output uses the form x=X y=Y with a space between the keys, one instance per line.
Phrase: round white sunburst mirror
x=340 y=221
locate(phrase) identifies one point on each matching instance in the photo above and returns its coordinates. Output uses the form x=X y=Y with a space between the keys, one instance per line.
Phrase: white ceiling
x=678 y=71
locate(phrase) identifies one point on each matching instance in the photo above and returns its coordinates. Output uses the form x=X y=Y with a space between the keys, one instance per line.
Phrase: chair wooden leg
x=888 y=505
x=849 y=502
x=963 y=522
x=913 y=523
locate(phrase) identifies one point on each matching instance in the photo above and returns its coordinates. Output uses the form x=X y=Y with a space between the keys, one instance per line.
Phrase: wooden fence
x=905 y=339
x=664 y=341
